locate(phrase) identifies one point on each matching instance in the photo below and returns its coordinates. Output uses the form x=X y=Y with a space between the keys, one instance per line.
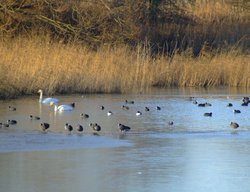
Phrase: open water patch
x=234 y=134
x=37 y=141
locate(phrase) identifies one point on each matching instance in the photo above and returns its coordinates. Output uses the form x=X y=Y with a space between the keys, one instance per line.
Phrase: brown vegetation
x=121 y=46
x=27 y=65
x=166 y=24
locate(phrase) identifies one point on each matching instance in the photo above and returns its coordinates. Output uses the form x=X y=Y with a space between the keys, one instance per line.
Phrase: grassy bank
x=29 y=64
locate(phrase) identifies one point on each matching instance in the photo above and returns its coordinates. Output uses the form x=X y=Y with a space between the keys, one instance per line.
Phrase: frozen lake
x=196 y=153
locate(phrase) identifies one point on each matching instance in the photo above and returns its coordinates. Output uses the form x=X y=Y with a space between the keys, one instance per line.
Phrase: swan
x=46 y=100
x=61 y=108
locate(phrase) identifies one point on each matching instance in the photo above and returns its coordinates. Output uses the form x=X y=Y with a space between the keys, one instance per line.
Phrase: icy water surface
x=196 y=153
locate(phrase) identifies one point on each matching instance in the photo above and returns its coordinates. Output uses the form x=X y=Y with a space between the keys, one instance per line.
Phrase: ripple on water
x=202 y=135
x=37 y=141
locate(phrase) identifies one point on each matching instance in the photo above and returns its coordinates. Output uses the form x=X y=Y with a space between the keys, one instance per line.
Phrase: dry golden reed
x=29 y=64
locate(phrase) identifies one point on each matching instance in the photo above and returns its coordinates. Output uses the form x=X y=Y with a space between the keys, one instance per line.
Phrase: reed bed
x=99 y=46
x=27 y=65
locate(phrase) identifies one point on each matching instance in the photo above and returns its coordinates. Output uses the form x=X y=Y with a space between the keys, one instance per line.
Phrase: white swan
x=46 y=100
x=62 y=107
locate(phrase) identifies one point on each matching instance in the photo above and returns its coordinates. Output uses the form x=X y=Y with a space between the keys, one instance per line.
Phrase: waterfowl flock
x=244 y=102
x=95 y=126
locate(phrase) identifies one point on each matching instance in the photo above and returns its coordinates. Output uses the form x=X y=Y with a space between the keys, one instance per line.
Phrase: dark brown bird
x=95 y=127
x=44 y=126
x=129 y=102
x=170 y=123
x=34 y=117
x=12 y=108
x=4 y=125
x=234 y=125
x=245 y=100
x=68 y=127
x=123 y=128
x=208 y=114
x=84 y=115
x=158 y=108
x=125 y=107
x=201 y=105
x=244 y=104
x=11 y=122
x=236 y=111
x=72 y=105
x=79 y=128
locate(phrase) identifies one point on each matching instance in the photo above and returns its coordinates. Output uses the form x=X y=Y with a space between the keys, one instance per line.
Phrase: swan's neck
x=41 y=96
x=55 y=108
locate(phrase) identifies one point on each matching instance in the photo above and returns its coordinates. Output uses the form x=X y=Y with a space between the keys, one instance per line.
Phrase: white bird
x=109 y=113
x=138 y=113
x=46 y=100
x=62 y=107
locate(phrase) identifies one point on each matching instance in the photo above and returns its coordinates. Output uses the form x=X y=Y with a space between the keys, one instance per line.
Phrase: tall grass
x=29 y=64
x=99 y=46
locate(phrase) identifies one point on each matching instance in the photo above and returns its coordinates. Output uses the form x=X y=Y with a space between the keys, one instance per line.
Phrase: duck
x=208 y=104
x=11 y=122
x=138 y=113
x=4 y=125
x=236 y=111
x=146 y=109
x=34 y=117
x=84 y=116
x=234 y=125
x=201 y=105
x=72 y=104
x=244 y=104
x=229 y=105
x=46 y=100
x=245 y=100
x=11 y=108
x=170 y=123
x=123 y=128
x=61 y=108
x=79 y=128
x=158 y=108
x=95 y=127
x=45 y=126
x=208 y=114
x=102 y=107
x=109 y=113
x=191 y=98
x=129 y=102
x=68 y=127
x=125 y=107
